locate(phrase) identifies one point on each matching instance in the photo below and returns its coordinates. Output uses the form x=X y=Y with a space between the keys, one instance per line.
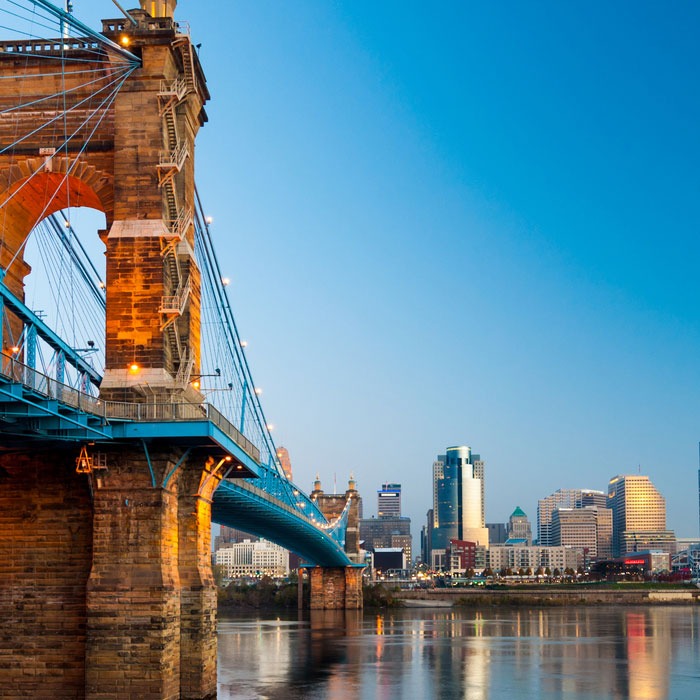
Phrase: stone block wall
x=45 y=559
x=106 y=588
x=335 y=588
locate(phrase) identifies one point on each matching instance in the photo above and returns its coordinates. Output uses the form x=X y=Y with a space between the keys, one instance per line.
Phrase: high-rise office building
x=519 y=528
x=498 y=533
x=588 y=529
x=387 y=532
x=639 y=515
x=561 y=498
x=458 y=502
x=589 y=497
x=389 y=501
x=426 y=538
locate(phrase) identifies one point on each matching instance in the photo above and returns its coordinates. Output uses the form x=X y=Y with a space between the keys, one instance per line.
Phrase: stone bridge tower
x=138 y=168
x=341 y=587
x=153 y=292
x=106 y=588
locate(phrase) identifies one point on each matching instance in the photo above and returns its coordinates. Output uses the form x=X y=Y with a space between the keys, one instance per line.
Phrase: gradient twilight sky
x=462 y=223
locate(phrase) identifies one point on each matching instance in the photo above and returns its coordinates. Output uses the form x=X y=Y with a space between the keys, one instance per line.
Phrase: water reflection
x=647 y=653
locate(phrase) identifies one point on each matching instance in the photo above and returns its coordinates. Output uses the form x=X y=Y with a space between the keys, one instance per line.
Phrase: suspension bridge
x=129 y=418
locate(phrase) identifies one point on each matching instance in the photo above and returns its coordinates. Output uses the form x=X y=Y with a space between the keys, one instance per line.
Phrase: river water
x=414 y=653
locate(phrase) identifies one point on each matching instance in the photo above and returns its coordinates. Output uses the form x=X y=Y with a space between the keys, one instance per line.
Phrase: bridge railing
x=44 y=46
x=44 y=387
x=334 y=529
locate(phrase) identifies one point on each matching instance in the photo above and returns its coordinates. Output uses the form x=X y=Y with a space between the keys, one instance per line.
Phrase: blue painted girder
x=241 y=508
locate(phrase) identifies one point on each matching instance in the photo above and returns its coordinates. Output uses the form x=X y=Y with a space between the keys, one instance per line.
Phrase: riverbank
x=548 y=596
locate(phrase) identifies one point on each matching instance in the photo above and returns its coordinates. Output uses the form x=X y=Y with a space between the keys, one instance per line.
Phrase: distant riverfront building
x=247 y=559
x=639 y=516
x=389 y=501
x=503 y=557
x=285 y=461
x=387 y=533
x=458 y=502
x=588 y=529
x=498 y=533
x=519 y=528
x=563 y=498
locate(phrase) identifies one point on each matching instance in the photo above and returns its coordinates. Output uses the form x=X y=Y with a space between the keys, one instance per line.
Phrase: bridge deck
x=34 y=406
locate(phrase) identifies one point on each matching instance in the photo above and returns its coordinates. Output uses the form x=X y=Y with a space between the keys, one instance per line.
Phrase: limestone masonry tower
x=106 y=588
x=153 y=282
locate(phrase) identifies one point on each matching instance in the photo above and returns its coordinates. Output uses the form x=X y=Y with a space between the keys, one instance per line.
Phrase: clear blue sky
x=462 y=223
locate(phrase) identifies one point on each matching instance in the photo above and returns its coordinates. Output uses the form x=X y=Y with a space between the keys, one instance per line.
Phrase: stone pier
x=106 y=588
x=335 y=588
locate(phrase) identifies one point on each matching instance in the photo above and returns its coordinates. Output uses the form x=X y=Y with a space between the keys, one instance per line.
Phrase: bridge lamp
x=124 y=40
x=244 y=343
x=134 y=368
x=209 y=220
x=258 y=391
x=225 y=281
x=197 y=377
x=270 y=426
x=14 y=350
x=227 y=458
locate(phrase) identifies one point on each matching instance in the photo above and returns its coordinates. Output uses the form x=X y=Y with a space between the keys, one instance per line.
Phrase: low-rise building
x=534 y=557
x=261 y=558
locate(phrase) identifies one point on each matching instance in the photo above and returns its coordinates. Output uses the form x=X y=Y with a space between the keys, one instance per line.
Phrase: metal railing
x=177 y=88
x=179 y=227
x=46 y=388
x=175 y=303
x=34 y=46
x=174 y=159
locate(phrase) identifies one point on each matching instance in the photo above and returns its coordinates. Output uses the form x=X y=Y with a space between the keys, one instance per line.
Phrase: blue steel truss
x=59 y=403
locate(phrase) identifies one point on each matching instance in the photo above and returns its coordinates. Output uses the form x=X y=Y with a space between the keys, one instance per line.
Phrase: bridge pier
x=151 y=599
x=45 y=556
x=106 y=588
x=335 y=588
x=198 y=597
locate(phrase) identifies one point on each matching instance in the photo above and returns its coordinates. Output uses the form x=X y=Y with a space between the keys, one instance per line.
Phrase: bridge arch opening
x=34 y=190
x=54 y=260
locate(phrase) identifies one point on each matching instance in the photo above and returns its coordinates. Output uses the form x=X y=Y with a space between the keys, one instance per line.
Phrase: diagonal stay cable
x=119 y=79
x=112 y=97
x=58 y=93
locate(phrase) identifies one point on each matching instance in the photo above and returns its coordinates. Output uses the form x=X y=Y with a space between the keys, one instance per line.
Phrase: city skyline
x=462 y=225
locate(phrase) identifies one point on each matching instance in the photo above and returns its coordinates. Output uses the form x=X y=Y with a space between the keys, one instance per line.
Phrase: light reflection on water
x=646 y=653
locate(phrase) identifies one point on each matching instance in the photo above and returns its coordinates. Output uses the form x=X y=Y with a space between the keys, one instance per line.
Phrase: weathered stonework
x=341 y=587
x=335 y=588
x=45 y=558
x=110 y=596
x=106 y=589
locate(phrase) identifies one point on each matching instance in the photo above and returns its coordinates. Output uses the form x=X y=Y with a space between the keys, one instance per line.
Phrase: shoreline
x=521 y=596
